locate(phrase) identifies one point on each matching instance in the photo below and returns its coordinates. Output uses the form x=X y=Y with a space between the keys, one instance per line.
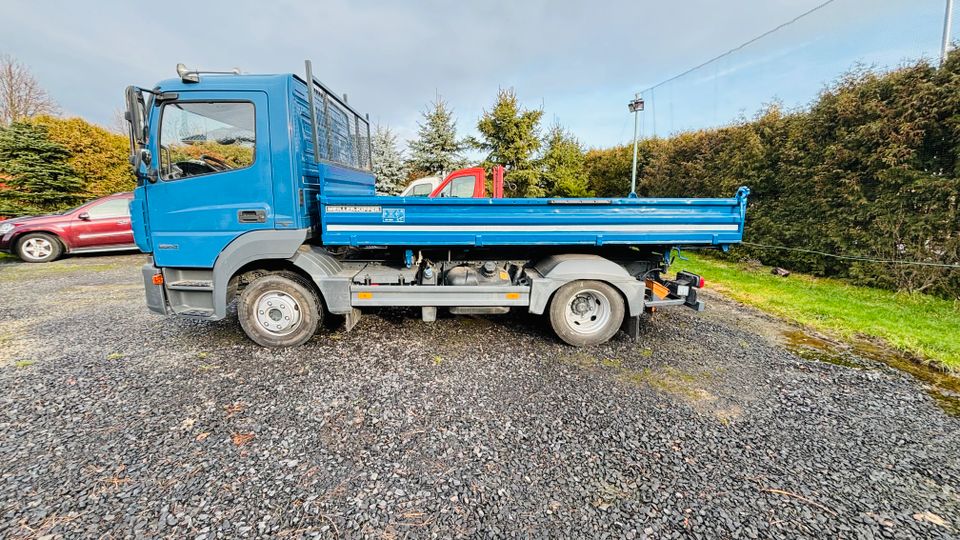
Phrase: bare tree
x=118 y=124
x=20 y=94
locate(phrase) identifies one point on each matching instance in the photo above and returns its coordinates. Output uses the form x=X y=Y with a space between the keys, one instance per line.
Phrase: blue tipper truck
x=257 y=189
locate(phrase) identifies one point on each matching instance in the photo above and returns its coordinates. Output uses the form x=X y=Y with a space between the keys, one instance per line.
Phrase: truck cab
x=228 y=156
x=257 y=190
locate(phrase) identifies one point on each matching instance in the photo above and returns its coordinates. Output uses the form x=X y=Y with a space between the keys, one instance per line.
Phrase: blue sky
x=580 y=61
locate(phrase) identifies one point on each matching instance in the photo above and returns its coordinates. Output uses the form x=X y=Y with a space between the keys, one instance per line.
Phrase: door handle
x=251 y=216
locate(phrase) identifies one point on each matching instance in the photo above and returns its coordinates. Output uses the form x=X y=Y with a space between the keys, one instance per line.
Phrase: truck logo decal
x=394 y=215
x=353 y=209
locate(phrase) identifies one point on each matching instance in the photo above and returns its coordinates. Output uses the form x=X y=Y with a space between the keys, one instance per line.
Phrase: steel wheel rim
x=37 y=248
x=278 y=313
x=588 y=312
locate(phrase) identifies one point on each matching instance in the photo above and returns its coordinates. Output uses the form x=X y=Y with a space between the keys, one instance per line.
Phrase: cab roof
x=228 y=82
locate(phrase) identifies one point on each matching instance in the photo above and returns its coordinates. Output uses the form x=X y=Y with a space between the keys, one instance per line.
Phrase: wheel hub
x=37 y=248
x=581 y=306
x=278 y=313
x=588 y=312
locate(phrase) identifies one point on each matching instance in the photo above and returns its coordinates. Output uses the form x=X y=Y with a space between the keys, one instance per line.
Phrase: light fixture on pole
x=635 y=107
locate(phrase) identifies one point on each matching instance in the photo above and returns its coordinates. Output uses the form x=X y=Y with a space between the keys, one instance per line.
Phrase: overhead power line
x=854 y=257
x=742 y=45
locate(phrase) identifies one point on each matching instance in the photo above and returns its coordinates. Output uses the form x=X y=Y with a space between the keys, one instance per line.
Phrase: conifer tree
x=36 y=175
x=510 y=136
x=436 y=150
x=564 y=174
x=388 y=164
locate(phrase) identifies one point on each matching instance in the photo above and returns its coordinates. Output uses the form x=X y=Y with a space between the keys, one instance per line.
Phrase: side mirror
x=136 y=111
x=84 y=216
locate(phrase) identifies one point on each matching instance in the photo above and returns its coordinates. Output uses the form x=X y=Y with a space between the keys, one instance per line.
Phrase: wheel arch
x=558 y=270
x=15 y=239
x=267 y=266
x=315 y=265
x=248 y=250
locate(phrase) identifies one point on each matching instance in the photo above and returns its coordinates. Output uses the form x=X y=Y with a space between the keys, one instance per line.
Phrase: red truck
x=464 y=183
x=97 y=226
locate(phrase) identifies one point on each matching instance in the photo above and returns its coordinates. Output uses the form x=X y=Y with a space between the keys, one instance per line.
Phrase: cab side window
x=461 y=187
x=114 y=208
x=198 y=138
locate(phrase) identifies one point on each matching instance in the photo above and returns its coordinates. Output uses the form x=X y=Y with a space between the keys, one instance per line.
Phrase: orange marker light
x=364 y=295
x=513 y=296
x=158 y=279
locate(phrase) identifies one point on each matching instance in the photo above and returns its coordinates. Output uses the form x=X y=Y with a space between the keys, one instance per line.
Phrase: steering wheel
x=216 y=163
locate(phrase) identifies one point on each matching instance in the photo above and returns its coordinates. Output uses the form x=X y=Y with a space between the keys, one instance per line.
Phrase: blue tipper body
x=396 y=221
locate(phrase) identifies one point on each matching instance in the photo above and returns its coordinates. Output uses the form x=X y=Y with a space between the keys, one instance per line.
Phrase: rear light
x=158 y=279
x=694 y=280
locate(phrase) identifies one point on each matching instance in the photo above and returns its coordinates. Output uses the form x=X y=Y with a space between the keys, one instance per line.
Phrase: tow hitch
x=681 y=291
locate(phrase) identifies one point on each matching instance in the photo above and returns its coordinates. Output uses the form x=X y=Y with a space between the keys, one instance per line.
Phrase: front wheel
x=279 y=310
x=586 y=312
x=38 y=248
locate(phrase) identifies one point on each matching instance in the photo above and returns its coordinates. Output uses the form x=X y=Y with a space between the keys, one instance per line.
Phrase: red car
x=99 y=225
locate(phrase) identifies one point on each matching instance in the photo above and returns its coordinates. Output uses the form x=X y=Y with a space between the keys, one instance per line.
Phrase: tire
x=585 y=312
x=38 y=248
x=279 y=310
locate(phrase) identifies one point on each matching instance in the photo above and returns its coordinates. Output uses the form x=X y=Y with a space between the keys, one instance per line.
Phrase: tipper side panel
x=399 y=221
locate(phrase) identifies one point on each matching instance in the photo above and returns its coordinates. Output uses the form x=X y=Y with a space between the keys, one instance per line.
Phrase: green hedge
x=870 y=168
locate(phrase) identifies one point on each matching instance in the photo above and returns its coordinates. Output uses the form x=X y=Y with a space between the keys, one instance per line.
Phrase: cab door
x=463 y=184
x=211 y=174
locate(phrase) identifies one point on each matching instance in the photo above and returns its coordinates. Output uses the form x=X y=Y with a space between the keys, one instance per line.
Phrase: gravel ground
x=120 y=423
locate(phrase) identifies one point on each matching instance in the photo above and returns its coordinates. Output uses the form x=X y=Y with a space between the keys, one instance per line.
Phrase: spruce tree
x=564 y=174
x=388 y=164
x=510 y=136
x=36 y=175
x=436 y=150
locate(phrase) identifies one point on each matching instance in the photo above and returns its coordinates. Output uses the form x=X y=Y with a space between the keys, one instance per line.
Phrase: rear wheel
x=586 y=312
x=38 y=248
x=279 y=310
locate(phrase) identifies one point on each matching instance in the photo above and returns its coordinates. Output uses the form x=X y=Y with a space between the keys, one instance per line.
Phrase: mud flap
x=156 y=296
x=631 y=326
x=352 y=318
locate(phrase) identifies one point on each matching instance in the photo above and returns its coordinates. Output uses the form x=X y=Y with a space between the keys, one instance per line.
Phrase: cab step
x=196 y=312
x=191 y=285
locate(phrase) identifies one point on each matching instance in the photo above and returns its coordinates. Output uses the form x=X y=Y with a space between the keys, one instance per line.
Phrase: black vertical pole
x=369 y=145
x=313 y=112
